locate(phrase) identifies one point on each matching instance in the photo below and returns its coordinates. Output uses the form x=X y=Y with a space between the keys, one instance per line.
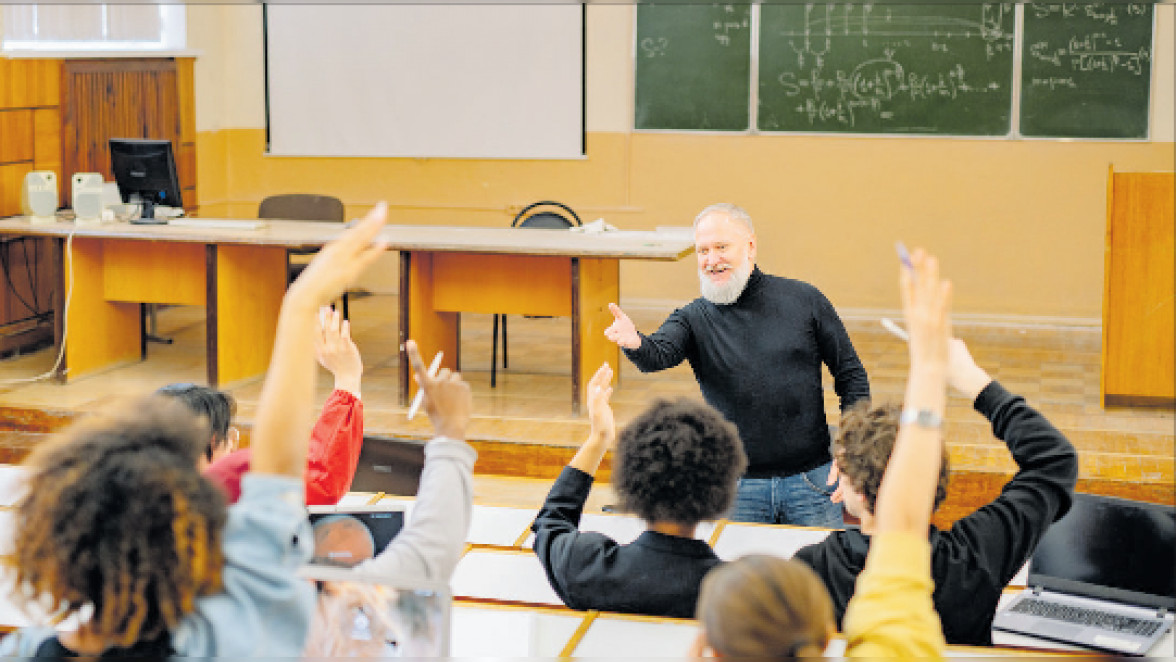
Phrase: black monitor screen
x=1110 y=548
x=347 y=537
x=145 y=171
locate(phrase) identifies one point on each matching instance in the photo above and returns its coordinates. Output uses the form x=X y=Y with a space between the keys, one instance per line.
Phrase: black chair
x=553 y=216
x=303 y=207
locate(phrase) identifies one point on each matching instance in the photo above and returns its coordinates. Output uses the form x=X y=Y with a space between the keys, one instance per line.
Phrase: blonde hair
x=765 y=607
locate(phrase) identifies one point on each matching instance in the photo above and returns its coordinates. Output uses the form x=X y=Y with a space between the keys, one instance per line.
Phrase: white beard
x=728 y=292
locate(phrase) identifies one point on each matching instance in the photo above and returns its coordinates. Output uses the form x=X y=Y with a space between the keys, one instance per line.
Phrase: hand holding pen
x=446 y=397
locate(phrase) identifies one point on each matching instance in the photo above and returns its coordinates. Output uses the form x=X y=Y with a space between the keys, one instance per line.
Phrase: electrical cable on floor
x=64 y=320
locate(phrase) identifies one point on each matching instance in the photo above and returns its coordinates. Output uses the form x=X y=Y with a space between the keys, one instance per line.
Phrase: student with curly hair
x=335 y=441
x=770 y=608
x=974 y=560
x=118 y=529
x=675 y=465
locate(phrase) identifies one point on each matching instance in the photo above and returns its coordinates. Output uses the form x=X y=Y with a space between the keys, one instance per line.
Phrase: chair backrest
x=547 y=218
x=302 y=207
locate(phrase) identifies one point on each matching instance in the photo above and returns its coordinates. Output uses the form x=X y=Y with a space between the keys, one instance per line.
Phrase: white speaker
x=38 y=197
x=87 y=197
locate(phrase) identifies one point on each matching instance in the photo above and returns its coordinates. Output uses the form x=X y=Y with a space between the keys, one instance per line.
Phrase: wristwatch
x=924 y=418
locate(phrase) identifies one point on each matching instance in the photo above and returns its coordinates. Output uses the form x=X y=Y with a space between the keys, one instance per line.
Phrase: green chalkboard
x=1086 y=70
x=886 y=68
x=693 y=67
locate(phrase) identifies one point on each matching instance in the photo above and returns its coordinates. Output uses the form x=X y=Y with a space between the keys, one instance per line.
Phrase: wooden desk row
x=240 y=277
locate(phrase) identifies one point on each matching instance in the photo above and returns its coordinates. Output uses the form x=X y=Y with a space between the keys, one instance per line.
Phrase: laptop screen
x=345 y=536
x=1112 y=549
x=359 y=614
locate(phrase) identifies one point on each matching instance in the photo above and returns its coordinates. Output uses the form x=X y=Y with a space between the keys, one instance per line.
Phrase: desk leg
x=595 y=284
x=245 y=289
x=433 y=331
x=101 y=333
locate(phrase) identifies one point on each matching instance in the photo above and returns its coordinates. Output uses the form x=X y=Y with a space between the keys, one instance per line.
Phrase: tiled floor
x=1056 y=369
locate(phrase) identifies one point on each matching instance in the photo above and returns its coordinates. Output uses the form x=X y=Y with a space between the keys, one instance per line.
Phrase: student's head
x=862 y=450
x=765 y=608
x=216 y=406
x=724 y=242
x=117 y=516
x=342 y=540
x=678 y=462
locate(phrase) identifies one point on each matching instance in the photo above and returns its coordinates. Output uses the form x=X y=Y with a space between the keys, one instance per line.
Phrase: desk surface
x=623 y=244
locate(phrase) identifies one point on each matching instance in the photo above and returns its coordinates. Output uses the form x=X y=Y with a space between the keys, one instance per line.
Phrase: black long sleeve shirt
x=975 y=559
x=758 y=361
x=656 y=574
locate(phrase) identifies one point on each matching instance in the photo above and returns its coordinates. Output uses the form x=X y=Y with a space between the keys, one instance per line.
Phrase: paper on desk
x=595 y=227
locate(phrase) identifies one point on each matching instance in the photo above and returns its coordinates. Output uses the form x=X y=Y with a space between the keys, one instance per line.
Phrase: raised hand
x=448 y=400
x=622 y=331
x=926 y=305
x=340 y=262
x=336 y=352
x=600 y=413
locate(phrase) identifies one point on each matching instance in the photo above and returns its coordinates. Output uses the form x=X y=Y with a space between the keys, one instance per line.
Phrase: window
x=45 y=27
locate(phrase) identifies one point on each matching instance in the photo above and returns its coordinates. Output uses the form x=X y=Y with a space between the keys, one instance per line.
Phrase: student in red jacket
x=337 y=437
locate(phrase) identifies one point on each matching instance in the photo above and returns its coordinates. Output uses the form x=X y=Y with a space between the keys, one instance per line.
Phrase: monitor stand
x=147 y=216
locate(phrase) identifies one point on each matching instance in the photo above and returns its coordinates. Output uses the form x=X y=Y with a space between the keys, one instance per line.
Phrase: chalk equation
x=886 y=68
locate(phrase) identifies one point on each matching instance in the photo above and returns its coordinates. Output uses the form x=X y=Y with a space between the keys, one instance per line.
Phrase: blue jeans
x=800 y=499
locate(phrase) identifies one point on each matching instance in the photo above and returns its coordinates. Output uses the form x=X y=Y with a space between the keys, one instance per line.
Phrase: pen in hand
x=904 y=255
x=420 y=394
x=895 y=329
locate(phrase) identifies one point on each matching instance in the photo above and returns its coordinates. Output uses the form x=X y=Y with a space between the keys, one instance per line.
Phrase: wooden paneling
x=124 y=98
x=16 y=135
x=11 y=182
x=47 y=140
x=250 y=284
x=1138 y=314
x=101 y=333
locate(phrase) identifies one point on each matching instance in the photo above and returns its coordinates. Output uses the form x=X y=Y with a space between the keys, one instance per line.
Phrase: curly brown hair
x=117 y=516
x=678 y=462
x=863 y=445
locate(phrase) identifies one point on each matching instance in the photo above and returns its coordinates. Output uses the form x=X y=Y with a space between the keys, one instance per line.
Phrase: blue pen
x=903 y=255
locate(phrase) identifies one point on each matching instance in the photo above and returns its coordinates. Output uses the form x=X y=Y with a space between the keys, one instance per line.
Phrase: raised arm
x=603 y=432
x=285 y=409
x=337 y=437
x=431 y=544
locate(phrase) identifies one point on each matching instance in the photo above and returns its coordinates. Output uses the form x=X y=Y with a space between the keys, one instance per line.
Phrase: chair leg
x=504 y=366
x=494 y=354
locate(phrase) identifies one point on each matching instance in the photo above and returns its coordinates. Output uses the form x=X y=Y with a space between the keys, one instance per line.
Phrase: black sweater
x=758 y=361
x=977 y=557
x=656 y=574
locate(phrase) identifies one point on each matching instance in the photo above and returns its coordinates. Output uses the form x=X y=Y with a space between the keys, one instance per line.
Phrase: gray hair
x=731 y=211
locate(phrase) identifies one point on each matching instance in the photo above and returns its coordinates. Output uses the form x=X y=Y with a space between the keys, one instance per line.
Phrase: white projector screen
x=477 y=81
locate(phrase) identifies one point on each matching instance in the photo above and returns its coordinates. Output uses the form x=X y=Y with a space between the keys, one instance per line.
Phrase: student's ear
x=701 y=647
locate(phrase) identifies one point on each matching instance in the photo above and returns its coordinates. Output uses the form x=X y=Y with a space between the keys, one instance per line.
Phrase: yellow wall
x=1020 y=224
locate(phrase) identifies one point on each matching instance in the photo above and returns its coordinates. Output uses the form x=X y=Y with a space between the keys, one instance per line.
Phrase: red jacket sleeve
x=334 y=449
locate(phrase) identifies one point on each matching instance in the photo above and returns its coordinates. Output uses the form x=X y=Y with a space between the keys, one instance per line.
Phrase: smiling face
x=726 y=255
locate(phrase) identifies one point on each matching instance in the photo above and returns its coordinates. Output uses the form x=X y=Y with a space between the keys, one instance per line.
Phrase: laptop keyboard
x=1080 y=616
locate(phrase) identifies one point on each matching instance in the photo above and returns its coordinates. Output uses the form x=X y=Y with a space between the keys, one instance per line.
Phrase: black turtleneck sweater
x=758 y=361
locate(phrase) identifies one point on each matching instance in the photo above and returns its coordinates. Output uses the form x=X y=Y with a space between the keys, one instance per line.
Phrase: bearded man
x=756 y=344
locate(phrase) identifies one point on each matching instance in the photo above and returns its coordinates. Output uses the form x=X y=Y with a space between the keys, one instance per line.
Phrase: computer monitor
x=145 y=171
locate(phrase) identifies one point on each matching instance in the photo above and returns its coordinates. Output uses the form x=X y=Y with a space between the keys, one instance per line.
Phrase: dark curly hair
x=863 y=445
x=218 y=407
x=116 y=515
x=678 y=462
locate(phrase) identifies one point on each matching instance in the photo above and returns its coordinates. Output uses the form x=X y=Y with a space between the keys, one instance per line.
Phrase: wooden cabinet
x=1138 y=361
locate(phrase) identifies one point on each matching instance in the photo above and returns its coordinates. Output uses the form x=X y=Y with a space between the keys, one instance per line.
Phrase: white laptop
x=1104 y=577
x=360 y=614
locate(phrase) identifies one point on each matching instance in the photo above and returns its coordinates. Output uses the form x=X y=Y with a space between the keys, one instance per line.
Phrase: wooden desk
x=238 y=275
x=445 y=271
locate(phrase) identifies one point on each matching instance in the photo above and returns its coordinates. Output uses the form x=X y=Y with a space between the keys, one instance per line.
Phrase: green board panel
x=887 y=68
x=693 y=67
x=1086 y=70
